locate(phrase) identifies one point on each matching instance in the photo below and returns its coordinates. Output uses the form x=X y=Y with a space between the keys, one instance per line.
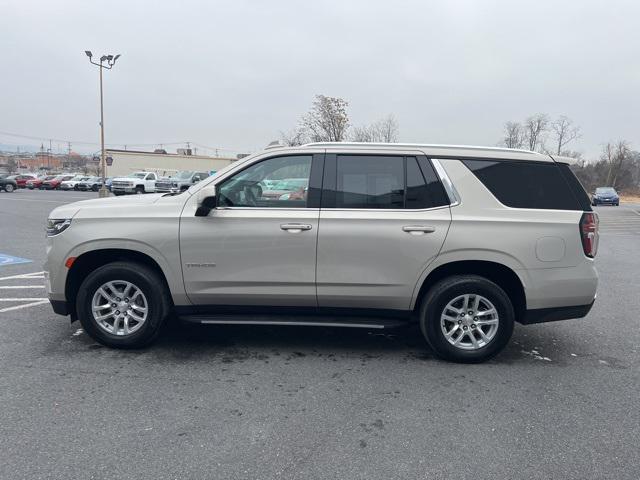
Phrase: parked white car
x=71 y=184
x=137 y=182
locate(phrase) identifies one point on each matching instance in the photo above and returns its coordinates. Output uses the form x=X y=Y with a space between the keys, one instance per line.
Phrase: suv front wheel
x=466 y=318
x=123 y=305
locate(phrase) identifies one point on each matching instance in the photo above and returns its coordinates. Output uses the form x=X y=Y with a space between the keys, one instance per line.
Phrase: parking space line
x=23 y=299
x=12 y=287
x=35 y=200
x=24 y=305
x=24 y=276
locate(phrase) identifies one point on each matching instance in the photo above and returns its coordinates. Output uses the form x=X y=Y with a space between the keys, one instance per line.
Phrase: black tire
x=95 y=188
x=445 y=291
x=148 y=281
x=9 y=188
x=139 y=190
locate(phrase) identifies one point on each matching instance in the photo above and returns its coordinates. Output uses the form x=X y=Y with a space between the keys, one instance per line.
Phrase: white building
x=164 y=164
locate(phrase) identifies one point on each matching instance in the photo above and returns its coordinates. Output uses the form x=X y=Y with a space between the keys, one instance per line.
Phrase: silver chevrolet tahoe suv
x=462 y=241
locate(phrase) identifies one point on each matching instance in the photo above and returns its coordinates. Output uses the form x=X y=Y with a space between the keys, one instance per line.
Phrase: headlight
x=57 y=226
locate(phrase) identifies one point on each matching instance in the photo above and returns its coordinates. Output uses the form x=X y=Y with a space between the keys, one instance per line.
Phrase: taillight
x=589 y=233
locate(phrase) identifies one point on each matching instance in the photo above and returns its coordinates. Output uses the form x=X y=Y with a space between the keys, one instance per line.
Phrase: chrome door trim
x=454 y=196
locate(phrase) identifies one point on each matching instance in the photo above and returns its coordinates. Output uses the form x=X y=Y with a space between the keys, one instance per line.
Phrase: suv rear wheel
x=123 y=305
x=466 y=318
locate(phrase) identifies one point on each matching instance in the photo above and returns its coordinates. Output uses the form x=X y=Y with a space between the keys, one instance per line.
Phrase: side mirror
x=206 y=201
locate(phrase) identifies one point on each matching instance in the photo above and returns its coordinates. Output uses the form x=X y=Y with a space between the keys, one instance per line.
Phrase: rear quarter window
x=521 y=184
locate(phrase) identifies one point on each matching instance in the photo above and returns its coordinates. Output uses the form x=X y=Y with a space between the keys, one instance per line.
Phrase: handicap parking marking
x=10 y=260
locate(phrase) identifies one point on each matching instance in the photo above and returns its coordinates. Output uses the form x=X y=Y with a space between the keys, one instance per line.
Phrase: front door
x=258 y=247
x=384 y=218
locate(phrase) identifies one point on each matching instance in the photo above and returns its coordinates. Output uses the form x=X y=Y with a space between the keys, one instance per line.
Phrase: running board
x=313 y=321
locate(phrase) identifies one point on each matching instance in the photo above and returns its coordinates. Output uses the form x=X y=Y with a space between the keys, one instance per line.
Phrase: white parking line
x=24 y=276
x=11 y=287
x=22 y=299
x=34 y=200
x=24 y=305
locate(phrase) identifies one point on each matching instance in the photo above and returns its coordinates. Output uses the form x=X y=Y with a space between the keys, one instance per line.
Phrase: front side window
x=280 y=182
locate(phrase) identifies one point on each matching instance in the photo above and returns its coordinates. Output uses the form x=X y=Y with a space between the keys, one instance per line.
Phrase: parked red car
x=55 y=182
x=37 y=182
x=22 y=180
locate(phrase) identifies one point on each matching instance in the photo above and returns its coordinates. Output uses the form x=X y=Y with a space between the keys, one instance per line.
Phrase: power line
x=155 y=144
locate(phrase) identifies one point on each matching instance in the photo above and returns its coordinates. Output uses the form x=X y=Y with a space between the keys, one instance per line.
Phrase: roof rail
x=417 y=145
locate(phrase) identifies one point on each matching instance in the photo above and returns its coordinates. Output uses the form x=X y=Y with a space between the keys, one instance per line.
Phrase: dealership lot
x=260 y=402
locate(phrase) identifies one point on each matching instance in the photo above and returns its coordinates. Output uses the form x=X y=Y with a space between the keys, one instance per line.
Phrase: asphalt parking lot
x=562 y=401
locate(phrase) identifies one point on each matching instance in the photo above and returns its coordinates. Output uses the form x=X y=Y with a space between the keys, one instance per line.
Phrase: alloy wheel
x=119 y=307
x=469 y=321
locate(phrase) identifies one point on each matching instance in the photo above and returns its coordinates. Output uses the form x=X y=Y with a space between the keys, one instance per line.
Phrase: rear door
x=383 y=219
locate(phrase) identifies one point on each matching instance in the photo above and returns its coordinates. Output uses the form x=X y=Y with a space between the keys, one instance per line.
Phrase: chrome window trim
x=449 y=187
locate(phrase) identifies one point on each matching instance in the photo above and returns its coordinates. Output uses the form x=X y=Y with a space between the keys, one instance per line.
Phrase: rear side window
x=381 y=182
x=370 y=182
x=575 y=185
x=520 y=184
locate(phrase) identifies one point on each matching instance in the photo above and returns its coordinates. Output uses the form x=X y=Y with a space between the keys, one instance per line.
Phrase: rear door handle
x=295 y=227
x=418 y=229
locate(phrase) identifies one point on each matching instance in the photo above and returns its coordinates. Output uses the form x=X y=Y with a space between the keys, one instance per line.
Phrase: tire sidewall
x=142 y=277
x=445 y=291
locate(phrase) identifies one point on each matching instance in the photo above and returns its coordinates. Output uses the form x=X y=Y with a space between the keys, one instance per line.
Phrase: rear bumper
x=542 y=315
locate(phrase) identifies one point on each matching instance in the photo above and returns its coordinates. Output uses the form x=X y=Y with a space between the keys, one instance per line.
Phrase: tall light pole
x=110 y=62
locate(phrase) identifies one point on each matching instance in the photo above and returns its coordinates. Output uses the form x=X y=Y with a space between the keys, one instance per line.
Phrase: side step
x=297 y=320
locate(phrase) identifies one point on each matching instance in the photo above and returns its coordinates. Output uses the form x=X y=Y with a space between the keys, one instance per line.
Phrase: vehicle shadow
x=233 y=343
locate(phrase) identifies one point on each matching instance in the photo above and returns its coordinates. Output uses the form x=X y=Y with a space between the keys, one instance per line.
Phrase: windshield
x=184 y=175
x=605 y=190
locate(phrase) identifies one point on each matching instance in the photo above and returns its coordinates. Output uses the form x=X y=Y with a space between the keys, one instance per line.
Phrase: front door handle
x=418 y=229
x=295 y=227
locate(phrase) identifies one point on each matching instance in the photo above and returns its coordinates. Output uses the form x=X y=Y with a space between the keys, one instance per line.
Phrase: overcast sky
x=232 y=74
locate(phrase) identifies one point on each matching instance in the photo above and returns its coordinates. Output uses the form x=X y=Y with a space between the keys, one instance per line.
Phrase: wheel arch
x=89 y=261
x=502 y=275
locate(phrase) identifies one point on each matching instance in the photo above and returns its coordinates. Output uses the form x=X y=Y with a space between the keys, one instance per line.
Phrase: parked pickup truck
x=137 y=182
x=180 y=181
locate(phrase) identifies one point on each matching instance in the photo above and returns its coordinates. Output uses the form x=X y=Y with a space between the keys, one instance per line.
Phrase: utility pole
x=110 y=62
x=68 y=153
x=49 y=156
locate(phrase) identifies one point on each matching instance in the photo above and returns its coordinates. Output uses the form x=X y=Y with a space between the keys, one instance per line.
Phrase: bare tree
x=534 y=129
x=327 y=121
x=384 y=130
x=513 y=135
x=362 y=134
x=615 y=155
x=294 y=138
x=565 y=131
x=387 y=129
